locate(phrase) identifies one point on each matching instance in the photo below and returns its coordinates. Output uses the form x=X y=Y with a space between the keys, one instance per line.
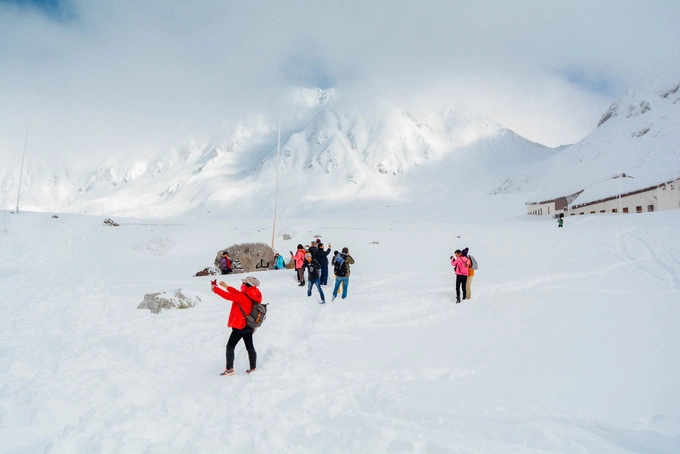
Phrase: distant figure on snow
x=225 y=263
x=461 y=265
x=313 y=276
x=322 y=258
x=299 y=258
x=560 y=222
x=278 y=262
x=341 y=263
x=471 y=273
x=242 y=302
x=313 y=248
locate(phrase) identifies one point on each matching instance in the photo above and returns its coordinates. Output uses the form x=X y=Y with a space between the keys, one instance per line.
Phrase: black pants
x=461 y=281
x=236 y=335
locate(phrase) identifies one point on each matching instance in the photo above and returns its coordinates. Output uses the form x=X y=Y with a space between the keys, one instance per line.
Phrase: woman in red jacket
x=242 y=302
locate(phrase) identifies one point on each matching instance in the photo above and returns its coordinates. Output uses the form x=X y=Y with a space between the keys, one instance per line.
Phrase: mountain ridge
x=332 y=153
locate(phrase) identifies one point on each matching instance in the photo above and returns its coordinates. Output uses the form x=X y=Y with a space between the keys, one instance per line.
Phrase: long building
x=662 y=196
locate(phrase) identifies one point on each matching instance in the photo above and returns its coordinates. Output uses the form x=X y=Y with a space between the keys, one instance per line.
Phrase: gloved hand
x=213 y=284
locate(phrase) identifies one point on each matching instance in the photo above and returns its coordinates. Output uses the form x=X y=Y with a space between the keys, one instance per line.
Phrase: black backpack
x=257 y=314
x=340 y=267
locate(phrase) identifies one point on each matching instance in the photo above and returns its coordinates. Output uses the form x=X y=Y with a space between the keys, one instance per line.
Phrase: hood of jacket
x=254 y=294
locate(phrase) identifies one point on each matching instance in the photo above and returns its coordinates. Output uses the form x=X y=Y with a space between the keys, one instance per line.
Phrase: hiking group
x=314 y=259
x=464 y=266
x=247 y=310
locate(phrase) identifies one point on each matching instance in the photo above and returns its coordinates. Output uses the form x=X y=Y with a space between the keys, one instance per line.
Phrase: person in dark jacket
x=322 y=258
x=242 y=303
x=313 y=276
x=313 y=249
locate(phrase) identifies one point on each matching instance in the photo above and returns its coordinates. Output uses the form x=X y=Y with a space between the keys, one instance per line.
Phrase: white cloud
x=123 y=77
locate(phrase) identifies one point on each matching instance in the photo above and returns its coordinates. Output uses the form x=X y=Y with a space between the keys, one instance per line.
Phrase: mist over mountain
x=332 y=153
x=379 y=151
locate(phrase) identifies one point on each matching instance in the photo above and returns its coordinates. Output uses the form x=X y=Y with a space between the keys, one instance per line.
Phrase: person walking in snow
x=471 y=273
x=341 y=263
x=242 y=303
x=313 y=276
x=461 y=265
x=322 y=258
x=299 y=258
x=560 y=222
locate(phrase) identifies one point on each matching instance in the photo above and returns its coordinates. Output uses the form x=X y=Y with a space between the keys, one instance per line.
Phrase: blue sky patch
x=591 y=81
x=55 y=9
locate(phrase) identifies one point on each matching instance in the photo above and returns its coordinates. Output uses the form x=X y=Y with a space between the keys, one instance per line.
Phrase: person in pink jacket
x=299 y=258
x=460 y=265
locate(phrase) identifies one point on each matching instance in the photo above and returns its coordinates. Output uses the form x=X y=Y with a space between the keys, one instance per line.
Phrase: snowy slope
x=639 y=136
x=569 y=343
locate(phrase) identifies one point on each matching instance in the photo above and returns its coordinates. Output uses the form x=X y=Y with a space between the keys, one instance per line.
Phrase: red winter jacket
x=236 y=318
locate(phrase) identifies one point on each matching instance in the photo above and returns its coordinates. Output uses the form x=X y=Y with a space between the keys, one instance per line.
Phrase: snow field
x=569 y=343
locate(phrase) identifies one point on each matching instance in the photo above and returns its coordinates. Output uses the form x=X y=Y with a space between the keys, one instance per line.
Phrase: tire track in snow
x=645 y=257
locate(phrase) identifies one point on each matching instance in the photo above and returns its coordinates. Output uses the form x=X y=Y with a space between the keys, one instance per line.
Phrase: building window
x=625 y=210
x=602 y=211
x=650 y=208
x=638 y=209
x=615 y=210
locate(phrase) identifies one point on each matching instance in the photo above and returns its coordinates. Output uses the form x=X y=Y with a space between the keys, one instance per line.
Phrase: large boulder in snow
x=248 y=257
x=156 y=302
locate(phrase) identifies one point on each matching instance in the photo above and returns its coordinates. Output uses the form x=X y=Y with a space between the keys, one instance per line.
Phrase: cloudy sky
x=91 y=78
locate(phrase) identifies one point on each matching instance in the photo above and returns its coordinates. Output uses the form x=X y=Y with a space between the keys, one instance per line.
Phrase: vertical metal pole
x=276 y=188
x=21 y=172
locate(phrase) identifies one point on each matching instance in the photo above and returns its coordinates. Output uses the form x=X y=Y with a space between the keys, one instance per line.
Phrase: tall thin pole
x=276 y=189
x=21 y=172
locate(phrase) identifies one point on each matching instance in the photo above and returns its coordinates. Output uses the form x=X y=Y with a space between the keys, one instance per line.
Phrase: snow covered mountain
x=332 y=153
x=328 y=153
x=639 y=135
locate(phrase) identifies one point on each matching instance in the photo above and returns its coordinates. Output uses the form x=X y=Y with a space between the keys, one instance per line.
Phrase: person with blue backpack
x=341 y=263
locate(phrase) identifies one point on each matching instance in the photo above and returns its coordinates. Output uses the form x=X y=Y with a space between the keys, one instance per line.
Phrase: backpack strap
x=241 y=309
